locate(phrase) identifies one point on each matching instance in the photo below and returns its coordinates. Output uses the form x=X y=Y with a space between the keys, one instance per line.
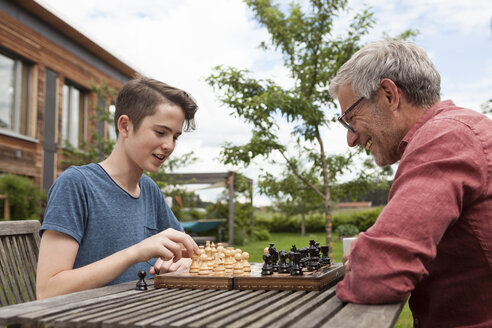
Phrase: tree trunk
x=328 y=225
x=303 y=222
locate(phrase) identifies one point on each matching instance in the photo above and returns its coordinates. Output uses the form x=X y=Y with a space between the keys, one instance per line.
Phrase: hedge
x=362 y=219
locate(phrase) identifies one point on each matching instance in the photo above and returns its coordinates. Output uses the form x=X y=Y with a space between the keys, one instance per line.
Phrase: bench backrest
x=19 y=246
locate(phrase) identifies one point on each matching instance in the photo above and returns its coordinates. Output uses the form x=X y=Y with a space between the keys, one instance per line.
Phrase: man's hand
x=346 y=255
x=170 y=266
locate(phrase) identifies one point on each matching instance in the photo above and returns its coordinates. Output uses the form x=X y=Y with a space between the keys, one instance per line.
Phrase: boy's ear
x=124 y=124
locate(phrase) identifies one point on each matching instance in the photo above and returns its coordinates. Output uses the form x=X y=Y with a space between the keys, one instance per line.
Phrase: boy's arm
x=56 y=276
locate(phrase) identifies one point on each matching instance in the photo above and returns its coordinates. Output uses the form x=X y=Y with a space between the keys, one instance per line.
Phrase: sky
x=180 y=41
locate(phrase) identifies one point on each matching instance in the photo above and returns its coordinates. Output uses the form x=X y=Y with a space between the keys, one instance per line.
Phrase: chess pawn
x=214 y=251
x=220 y=248
x=203 y=271
x=228 y=261
x=232 y=259
x=208 y=251
x=238 y=267
x=246 y=265
x=219 y=269
x=325 y=259
x=195 y=266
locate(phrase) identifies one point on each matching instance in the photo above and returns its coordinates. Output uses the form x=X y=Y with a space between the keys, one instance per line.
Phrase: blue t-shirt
x=86 y=204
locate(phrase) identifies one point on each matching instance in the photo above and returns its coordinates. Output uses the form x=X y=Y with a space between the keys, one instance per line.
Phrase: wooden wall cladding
x=25 y=156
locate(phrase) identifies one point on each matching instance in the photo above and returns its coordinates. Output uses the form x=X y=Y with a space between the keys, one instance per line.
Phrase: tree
x=313 y=55
x=289 y=197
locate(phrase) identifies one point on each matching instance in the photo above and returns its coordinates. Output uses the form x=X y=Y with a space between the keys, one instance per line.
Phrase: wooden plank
x=163 y=313
x=22 y=277
x=211 y=302
x=256 y=297
x=10 y=315
x=358 y=315
x=158 y=311
x=88 y=309
x=11 y=271
x=159 y=306
x=323 y=312
x=244 y=296
x=4 y=292
x=279 y=313
x=31 y=251
x=303 y=310
x=238 y=315
x=19 y=227
x=267 y=310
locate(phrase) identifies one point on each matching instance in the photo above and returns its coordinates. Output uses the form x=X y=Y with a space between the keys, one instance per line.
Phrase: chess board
x=316 y=280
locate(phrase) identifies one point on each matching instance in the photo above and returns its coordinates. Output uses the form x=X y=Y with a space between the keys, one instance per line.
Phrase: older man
x=433 y=239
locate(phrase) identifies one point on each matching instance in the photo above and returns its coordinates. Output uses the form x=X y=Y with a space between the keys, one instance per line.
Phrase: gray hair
x=403 y=62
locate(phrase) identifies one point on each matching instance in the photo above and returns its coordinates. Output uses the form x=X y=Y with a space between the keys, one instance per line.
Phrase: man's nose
x=352 y=138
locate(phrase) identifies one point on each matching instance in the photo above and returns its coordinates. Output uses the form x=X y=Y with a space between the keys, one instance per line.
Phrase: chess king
x=106 y=221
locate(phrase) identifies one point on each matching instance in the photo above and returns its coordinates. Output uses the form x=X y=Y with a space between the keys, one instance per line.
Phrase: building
x=47 y=68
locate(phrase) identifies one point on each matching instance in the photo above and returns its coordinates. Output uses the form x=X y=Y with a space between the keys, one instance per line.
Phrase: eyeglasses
x=342 y=120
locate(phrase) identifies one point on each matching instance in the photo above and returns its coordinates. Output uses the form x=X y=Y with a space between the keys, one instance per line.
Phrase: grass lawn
x=286 y=240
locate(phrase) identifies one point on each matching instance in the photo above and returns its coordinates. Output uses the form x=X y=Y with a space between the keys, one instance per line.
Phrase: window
x=73 y=115
x=112 y=132
x=14 y=94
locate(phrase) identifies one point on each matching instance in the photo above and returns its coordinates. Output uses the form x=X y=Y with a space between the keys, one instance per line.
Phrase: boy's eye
x=159 y=132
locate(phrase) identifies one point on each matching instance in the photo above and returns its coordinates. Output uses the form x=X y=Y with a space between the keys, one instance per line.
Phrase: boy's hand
x=167 y=245
x=170 y=266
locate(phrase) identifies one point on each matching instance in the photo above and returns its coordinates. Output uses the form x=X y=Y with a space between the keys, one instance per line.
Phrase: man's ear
x=124 y=125
x=390 y=94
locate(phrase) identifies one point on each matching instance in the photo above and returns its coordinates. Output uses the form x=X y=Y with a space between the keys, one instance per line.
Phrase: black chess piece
x=304 y=256
x=141 y=284
x=296 y=269
x=325 y=259
x=293 y=248
x=283 y=266
x=312 y=263
x=318 y=252
x=267 y=269
x=274 y=254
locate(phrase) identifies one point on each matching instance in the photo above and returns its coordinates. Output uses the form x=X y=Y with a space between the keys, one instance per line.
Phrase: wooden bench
x=19 y=247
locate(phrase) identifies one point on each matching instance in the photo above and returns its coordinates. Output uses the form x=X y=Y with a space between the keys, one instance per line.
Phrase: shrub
x=25 y=198
x=315 y=223
x=261 y=234
x=347 y=230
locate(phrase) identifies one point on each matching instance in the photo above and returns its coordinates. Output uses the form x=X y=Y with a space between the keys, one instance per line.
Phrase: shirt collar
x=430 y=113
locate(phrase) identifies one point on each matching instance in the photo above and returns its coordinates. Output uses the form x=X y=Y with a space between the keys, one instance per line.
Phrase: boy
x=104 y=221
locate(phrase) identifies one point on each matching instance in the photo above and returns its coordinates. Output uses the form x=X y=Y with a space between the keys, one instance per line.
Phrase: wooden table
x=123 y=306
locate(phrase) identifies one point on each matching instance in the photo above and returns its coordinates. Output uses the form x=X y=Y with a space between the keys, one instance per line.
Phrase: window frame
x=65 y=124
x=23 y=99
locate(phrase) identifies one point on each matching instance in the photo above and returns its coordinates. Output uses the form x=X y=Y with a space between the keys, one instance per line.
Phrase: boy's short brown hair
x=140 y=97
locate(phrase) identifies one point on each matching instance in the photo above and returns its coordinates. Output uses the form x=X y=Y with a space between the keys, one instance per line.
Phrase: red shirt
x=434 y=237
